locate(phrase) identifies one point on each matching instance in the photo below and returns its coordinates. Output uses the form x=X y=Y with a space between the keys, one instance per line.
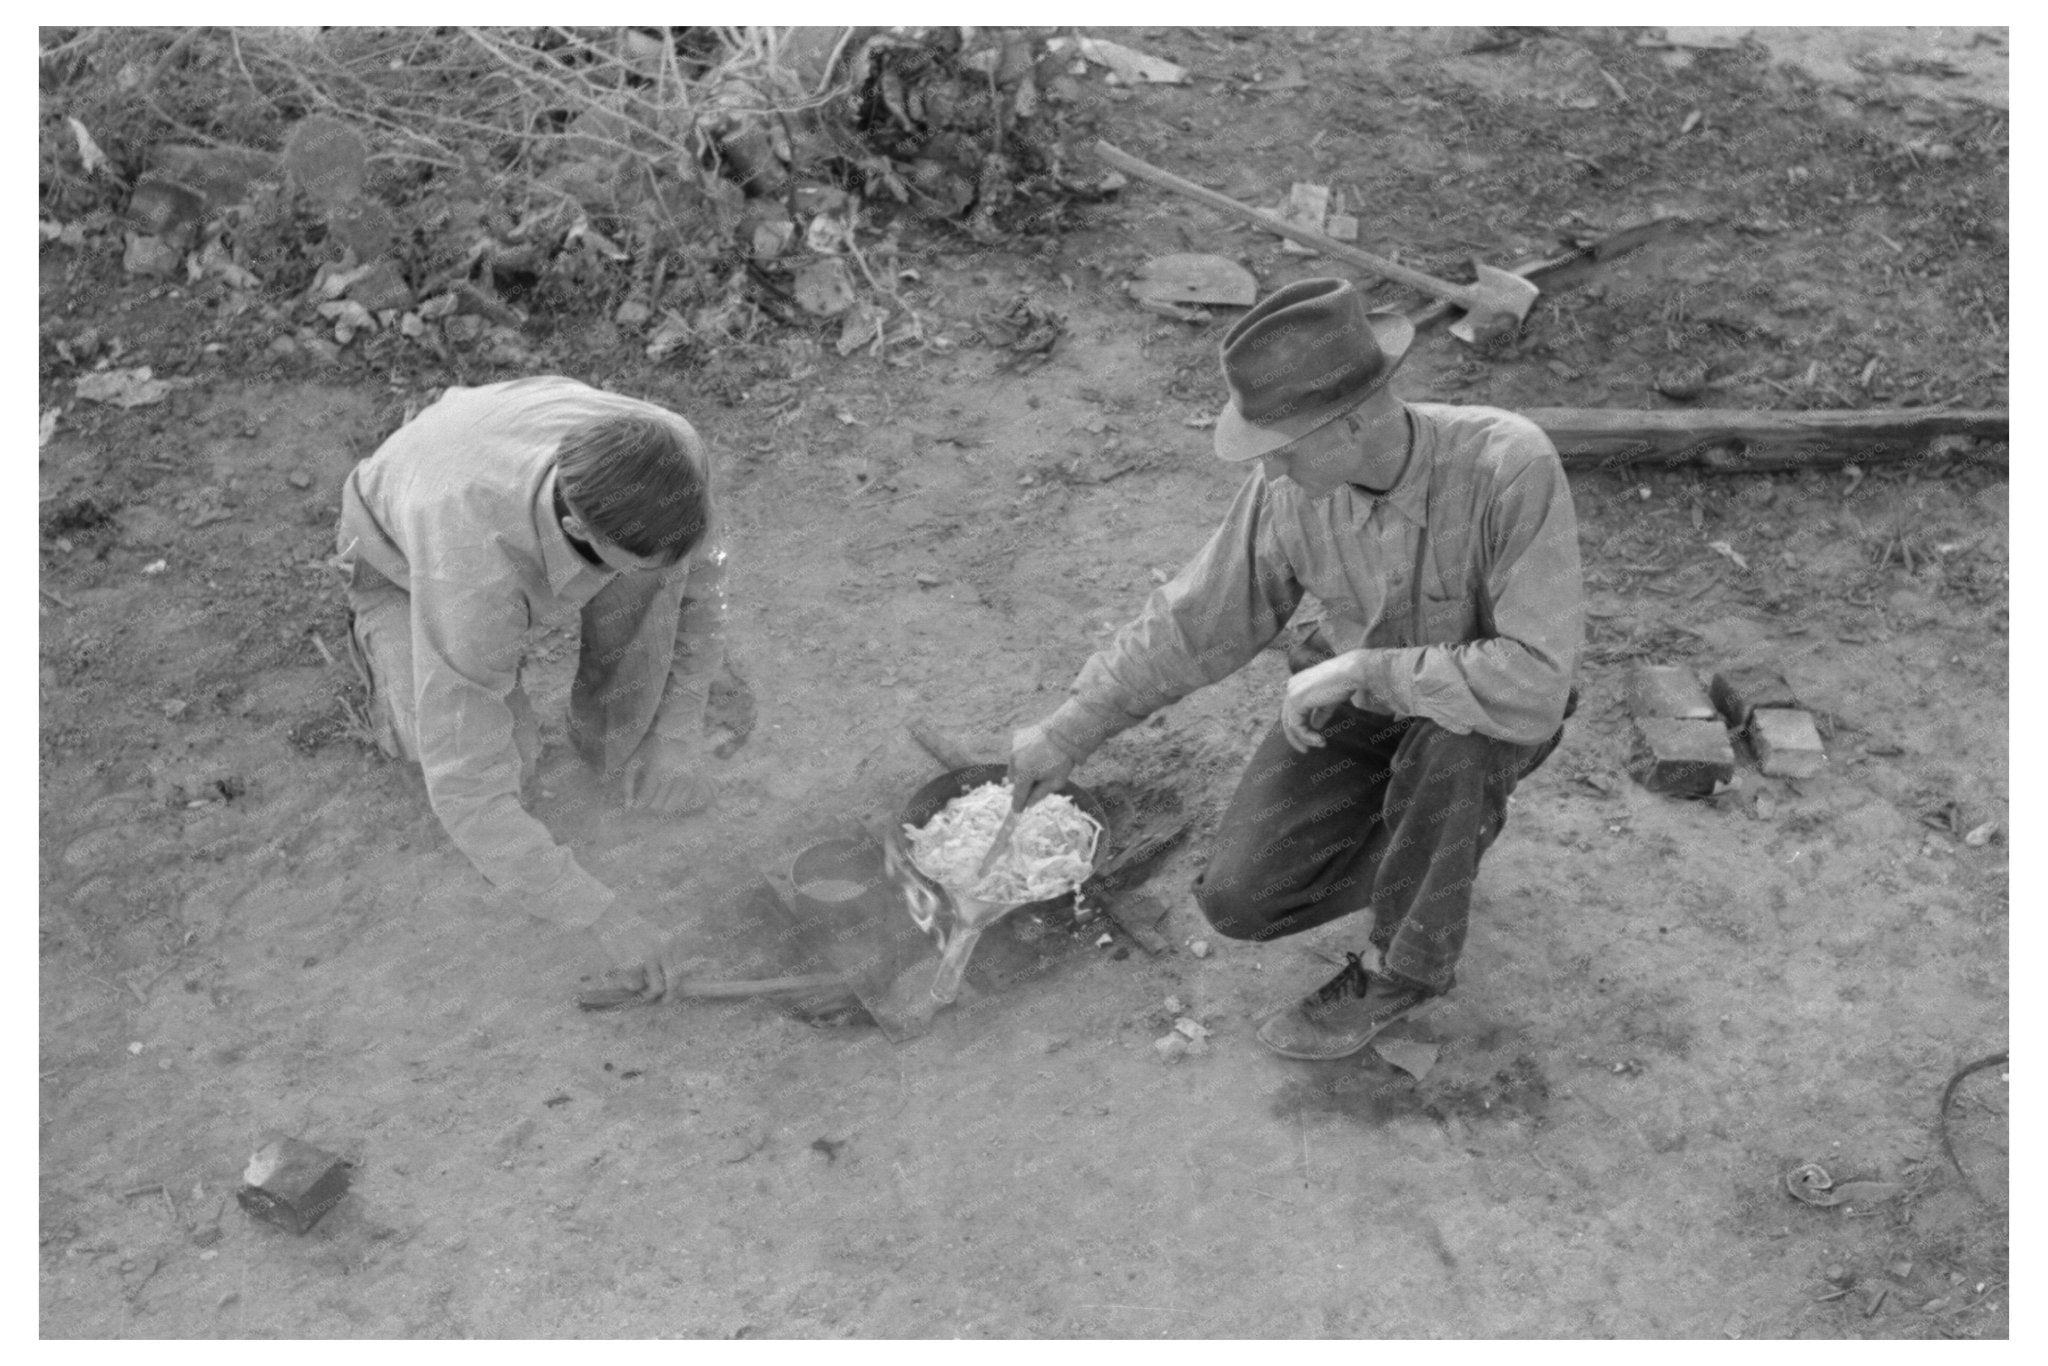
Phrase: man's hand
x=647 y=959
x=668 y=777
x=1037 y=766
x=1314 y=692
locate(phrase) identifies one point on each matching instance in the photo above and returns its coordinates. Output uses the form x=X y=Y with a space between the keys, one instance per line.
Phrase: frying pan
x=958 y=922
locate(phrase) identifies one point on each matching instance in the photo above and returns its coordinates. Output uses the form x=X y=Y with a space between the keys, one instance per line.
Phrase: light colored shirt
x=457 y=508
x=1461 y=583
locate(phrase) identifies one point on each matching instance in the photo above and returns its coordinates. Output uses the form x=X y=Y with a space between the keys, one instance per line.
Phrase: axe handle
x=608 y=998
x=1329 y=246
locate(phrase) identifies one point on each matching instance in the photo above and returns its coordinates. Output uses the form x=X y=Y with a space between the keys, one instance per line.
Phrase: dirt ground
x=249 y=922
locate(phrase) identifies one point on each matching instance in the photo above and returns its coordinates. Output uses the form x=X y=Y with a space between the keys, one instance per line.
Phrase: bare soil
x=250 y=922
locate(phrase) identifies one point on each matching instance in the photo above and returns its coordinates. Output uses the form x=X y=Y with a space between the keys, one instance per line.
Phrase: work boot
x=1341 y=1016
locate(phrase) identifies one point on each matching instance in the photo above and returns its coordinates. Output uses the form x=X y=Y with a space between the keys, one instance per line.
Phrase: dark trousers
x=1393 y=813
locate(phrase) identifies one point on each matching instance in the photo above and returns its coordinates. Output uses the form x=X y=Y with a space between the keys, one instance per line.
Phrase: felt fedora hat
x=1305 y=355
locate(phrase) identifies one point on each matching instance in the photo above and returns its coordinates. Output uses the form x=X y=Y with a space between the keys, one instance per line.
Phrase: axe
x=1495 y=302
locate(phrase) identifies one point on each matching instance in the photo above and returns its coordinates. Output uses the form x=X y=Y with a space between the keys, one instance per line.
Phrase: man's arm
x=466 y=647
x=1513 y=684
x=700 y=646
x=1224 y=606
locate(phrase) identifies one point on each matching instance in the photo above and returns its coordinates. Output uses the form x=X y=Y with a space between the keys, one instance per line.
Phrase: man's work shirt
x=457 y=509
x=1462 y=583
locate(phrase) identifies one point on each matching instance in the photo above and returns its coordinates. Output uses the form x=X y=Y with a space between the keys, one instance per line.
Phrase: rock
x=1682 y=380
x=162 y=209
x=507 y=346
x=221 y=175
x=326 y=159
x=148 y=255
x=381 y=287
x=1682 y=758
x=1171 y=1048
x=130 y=388
x=1669 y=691
x=284 y=348
x=823 y=288
x=1199 y=948
x=299 y=479
x=1786 y=742
x=632 y=313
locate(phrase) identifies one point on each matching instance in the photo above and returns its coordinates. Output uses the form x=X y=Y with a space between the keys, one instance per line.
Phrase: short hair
x=639 y=482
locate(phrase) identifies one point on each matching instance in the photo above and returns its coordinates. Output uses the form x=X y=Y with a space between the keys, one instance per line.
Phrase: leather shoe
x=1341 y=1016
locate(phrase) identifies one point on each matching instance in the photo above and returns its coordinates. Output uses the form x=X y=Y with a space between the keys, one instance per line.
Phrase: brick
x=1786 y=742
x=1738 y=692
x=1668 y=691
x=1684 y=758
x=291 y=1184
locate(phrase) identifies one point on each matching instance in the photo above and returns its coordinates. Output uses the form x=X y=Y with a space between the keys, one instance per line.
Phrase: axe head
x=1496 y=302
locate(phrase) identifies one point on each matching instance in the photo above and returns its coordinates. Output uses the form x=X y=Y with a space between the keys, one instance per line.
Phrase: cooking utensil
x=849 y=915
x=957 y=922
x=1000 y=843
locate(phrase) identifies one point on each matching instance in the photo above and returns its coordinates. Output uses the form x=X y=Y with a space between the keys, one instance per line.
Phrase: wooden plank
x=1734 y=440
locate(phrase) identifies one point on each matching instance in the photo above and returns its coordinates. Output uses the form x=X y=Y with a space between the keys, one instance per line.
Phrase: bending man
x=521 y=505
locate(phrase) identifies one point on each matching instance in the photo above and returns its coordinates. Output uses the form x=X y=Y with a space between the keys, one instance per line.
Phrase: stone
x=1671 y=692
x=222 y=175
x=1738 y=692
x=1683 y=758
x=382 y=287
x=1786 y=742
x=160 y=208
x=149 y=255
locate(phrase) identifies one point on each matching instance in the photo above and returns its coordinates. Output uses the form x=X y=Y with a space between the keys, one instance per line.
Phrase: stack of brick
x=1759 y=705
x=1682 y=746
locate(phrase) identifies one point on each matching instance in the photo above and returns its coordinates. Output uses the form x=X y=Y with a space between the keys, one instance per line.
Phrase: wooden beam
x=1733 y=440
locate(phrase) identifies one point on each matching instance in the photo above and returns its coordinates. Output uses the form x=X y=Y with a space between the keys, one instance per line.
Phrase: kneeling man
x=1442 y=545
x=520 y=505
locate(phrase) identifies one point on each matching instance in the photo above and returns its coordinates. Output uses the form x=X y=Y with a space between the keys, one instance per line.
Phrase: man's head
x=1366 y=445
x=1304 y=356
x=636 y=484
